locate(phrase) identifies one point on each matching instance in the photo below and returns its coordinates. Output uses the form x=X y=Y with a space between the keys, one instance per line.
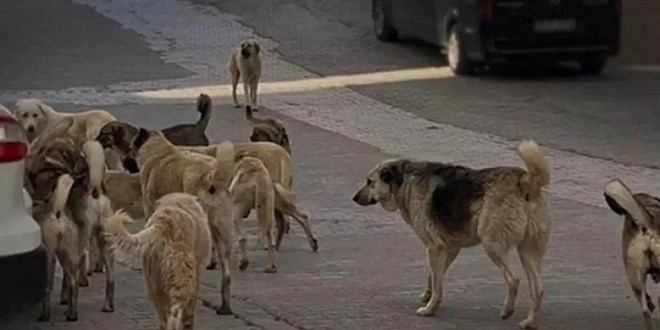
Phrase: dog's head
x=32 y=115
x=117 y=135
x=269 y=133
x=382 y=184
x=249 y=48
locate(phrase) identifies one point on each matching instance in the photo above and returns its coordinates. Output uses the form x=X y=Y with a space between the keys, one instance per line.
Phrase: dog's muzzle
x=30 y=129
x=360 y=200
x=245 y=53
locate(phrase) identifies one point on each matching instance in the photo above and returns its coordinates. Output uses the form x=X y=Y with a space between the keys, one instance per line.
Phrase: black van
x=474 y=32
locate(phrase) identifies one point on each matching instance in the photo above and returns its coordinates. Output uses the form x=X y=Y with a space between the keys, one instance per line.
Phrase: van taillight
x=13 y=146
x=485 y=9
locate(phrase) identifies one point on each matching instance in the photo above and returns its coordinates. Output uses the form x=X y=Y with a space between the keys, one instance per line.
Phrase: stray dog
x=118 y=135
x=451 y=207
x=245 y=64
x=641 y=241
x=280 y=168
x=53 y=156
x=252 y=188
x=60 y=238
x=175 y=245
x=36 y=116
x=165 y=169
x=268 y=130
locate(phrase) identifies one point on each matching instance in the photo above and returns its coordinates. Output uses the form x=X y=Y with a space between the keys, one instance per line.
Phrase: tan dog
x=641 y=241
x=60 y=238
x=175 y=244
x=452 y=207
x=280 y=168
x=252 y=188
x=268 y=130
x=245 y=64
x=165 y=169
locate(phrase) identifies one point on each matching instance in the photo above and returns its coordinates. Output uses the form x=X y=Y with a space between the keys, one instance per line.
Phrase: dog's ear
x=257 y=48
x=614 y=206
x=141 y=138
x=392 y=174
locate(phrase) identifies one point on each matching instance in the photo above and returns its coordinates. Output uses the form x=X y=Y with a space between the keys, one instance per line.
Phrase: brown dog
x=268 y=130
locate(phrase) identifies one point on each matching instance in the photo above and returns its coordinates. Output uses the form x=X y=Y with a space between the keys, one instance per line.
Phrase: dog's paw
x=83 y=283
x=236 y=105
x=505 y=314
x=270 y=269
x=212 y=265
x=108 y=309
x=425 y=296
x=526 y=324
x=224 y=310
x=314 y=244
x=98 y=269
x=73 y=317
x=243 y=264
x=426 y=312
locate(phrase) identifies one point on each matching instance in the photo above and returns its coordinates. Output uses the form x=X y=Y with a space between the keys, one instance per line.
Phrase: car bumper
x=22 y=280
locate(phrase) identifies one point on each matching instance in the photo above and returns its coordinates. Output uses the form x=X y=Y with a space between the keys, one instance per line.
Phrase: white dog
x=35 y=116
x=245 y=63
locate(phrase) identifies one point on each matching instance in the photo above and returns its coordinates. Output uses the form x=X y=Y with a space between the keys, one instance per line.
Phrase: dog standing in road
x=452 y=207
x=175 y=245
x=245 y=64
x=268 y=130
x=641 y=240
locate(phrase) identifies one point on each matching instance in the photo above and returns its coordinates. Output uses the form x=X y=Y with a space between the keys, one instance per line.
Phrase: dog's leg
x=109 y=263
x=243 y=261
x=498 y=254
x=46 y=305
x=253 y=93
x=531 y=257
x=71 y=267
x=175 y=316
x=437 y=259
x=213 y=262
x=225 y=279
x=246 y=92
x=235 y=75
x=304 y=222
x=426 y=295
x=64 y=289
x=638 y=284
x=280 y=223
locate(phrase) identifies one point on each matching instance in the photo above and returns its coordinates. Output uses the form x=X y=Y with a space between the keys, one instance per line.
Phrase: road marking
x=200 y=38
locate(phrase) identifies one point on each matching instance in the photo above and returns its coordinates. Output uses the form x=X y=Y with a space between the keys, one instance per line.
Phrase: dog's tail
x=621 y=200
x=251 y=118
x=538 y=170
x=225 y=156
x=64 y=184
x=124 y=244
x=93 y=151
x=204 y=109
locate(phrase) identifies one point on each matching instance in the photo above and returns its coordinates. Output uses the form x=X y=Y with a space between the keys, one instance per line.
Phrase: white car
x=22 y=259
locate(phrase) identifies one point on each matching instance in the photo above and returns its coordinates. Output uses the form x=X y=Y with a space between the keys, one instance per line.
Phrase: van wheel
x=382 y=24
x=456 y=57
x=593 y=66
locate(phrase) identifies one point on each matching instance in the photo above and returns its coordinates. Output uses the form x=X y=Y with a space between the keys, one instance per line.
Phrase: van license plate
x=552 y=26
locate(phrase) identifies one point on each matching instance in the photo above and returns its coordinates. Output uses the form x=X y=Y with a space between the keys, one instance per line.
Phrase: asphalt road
x=146 y=61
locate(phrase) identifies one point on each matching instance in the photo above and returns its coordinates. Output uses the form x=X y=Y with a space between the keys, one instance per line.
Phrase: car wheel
x=382 y=25
x=593 y=66
x=456 y=57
